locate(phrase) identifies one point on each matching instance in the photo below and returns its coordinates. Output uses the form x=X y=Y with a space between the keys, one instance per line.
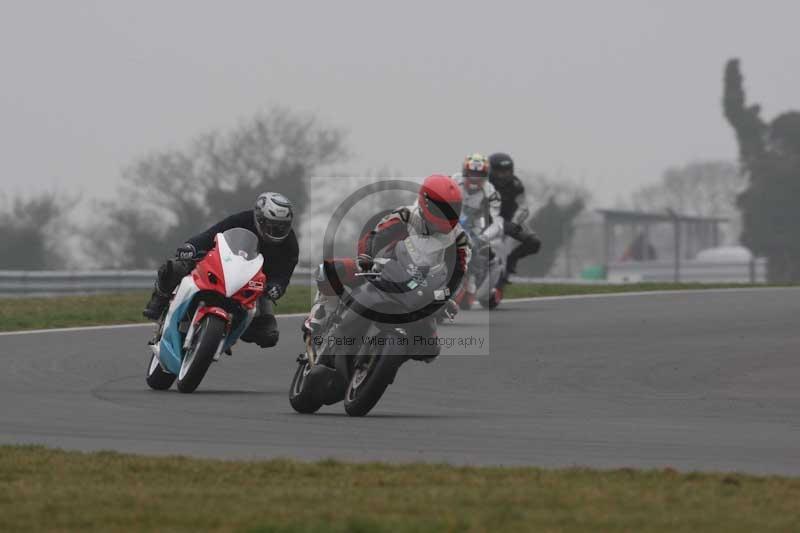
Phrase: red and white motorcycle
x=209 y=311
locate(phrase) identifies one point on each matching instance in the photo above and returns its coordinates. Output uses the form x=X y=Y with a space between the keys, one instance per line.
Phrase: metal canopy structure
x=689 y=234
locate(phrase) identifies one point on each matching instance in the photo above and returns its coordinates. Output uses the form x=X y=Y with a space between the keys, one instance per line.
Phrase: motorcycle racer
x=480 y=200
x=513 y=208
x=271 y=221
x=434 y=215
x=480 y=196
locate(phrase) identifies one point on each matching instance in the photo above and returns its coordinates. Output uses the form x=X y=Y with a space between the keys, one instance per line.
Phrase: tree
x=700 y=188
x=555 y=206
x=29 y=227
x=167 y=196
x=770 y=155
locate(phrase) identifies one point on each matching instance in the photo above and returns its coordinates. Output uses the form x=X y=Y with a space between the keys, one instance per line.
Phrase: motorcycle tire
x=302 y=396
x=158 y=378
x=199 y=356
x=364 y=390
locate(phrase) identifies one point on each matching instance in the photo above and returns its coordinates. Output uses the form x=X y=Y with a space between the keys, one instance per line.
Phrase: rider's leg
x=263 y=330
x=424 y=345
x=465 y=294
x=323 y=306
x=168 y=277
x=332 y=276
x=529 y=244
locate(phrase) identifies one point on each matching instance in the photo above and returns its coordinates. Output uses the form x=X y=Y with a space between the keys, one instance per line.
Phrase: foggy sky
x=607 y=93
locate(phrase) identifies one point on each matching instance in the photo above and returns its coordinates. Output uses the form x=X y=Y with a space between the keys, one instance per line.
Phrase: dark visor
x=444 y=209
x=273 y=228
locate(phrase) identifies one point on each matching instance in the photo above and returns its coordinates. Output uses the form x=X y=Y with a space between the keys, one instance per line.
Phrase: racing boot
x=312 y=326
x=495 y=298
x=158 y=302
x=313 y=322
x=316 y=316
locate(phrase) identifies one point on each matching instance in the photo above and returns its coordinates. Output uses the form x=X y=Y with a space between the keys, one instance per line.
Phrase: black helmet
x=501 y=167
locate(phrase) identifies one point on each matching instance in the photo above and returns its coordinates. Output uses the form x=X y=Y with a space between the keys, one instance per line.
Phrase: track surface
x=692 y=380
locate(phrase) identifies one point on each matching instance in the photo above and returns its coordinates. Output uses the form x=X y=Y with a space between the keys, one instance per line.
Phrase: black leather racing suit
x=280 y=260
x=514 y=210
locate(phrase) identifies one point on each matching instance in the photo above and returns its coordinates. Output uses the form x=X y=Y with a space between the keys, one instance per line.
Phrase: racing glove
x=450 y=309
x=186 y=252
x=365 y=262
x=274 y=291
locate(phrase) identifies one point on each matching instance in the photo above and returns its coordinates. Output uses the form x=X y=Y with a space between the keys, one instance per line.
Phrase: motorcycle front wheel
x=207 y=338
x=371 y=375
x=302 y=396
x=157 y=377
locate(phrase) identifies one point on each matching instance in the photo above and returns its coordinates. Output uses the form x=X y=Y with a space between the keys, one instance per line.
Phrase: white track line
x=510 y=300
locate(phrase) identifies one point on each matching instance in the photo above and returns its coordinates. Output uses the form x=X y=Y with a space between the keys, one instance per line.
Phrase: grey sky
x=608 y=93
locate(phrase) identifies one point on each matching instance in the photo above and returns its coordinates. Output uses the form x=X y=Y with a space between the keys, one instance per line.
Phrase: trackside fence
x=56 y=282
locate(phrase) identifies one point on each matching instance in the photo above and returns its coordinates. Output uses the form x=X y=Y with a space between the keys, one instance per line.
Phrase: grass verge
x=45 y=490
x=101 y=309
x=528 y=290
x=17 y=314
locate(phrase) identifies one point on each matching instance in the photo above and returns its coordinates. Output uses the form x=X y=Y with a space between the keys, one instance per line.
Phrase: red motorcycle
x=209 y=311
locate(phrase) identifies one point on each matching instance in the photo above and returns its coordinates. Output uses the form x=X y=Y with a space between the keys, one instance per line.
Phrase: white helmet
x=273 y=212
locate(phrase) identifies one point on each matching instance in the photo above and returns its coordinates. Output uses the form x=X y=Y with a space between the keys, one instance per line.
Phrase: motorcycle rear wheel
x=211 y=332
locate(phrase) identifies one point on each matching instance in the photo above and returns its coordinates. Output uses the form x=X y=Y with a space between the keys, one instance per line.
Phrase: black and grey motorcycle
x=386 y=319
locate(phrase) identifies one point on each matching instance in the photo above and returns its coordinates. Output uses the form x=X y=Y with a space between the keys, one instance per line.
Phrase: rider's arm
x=205 y=241
x=463 y=254
x=279 y=266
x=523 y=211
x=391 y=228
x=495 y=229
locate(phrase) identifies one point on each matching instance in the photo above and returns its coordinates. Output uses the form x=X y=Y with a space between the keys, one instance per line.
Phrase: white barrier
x=688 y=271
x=47 y=282
x=32 y=282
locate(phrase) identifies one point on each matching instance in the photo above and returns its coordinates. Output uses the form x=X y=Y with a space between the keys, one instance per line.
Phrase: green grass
x=126 y=308
x=561 y=289
x=99 y=309
x=50 y=490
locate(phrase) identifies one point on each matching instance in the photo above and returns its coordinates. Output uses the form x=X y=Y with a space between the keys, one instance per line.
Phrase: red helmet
x=440 y=202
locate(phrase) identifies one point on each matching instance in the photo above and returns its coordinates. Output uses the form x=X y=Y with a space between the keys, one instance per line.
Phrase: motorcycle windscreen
x=242 y=243
x=238 y=251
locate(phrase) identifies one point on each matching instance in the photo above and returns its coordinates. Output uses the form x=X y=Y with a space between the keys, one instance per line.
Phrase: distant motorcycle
x=405 y=285
x=487 y=266
x=209 y=311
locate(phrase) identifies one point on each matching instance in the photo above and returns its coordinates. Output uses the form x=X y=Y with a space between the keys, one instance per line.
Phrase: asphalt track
x=692 y=380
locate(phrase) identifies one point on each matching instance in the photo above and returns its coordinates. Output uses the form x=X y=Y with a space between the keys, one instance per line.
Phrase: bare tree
x=170 y=195
x=700 y=188
x=555 y=204
x=30 y=232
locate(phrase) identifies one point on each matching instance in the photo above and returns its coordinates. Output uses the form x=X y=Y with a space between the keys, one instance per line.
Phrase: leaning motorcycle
x=486 y=267
x=208 y=312
x=399 y=293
